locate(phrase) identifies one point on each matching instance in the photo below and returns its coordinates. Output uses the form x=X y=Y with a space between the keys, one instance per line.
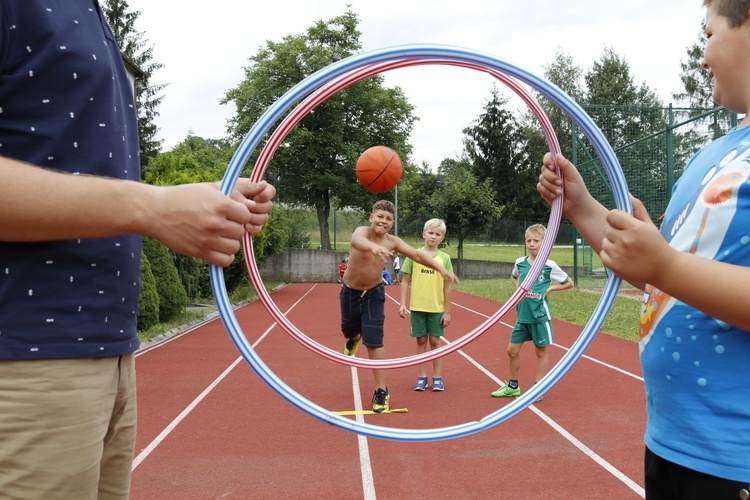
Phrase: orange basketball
x=379 y=169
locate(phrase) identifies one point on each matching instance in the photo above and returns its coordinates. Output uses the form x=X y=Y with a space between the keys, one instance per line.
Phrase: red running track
x=209 y=427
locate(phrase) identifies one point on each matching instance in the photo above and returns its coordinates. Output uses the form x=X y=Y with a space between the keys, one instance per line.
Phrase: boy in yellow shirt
x=430 y=305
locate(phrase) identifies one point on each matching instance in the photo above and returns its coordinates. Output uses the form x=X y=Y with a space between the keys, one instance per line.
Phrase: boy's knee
x=541 y=352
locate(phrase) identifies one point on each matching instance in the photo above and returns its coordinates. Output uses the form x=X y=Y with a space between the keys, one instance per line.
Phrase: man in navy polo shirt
x=72 y=210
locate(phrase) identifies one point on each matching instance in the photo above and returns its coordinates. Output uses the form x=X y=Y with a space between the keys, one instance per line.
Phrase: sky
x=204 y=47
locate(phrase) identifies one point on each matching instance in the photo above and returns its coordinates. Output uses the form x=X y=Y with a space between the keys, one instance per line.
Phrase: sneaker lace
x=380 y=396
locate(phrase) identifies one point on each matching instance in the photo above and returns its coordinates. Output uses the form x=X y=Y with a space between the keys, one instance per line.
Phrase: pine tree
x=496 y=149
x=134 y=44
x=697 y=81
x=699 y=89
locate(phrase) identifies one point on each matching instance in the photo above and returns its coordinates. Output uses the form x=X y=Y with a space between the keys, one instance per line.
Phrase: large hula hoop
x=422 y=51
x=292 y=119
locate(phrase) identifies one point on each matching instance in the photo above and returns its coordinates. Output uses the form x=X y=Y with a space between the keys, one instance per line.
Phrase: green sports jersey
x=534 y=308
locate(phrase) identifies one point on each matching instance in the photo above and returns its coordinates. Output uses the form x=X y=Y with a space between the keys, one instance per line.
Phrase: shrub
x=148 y=302
x=172 y=295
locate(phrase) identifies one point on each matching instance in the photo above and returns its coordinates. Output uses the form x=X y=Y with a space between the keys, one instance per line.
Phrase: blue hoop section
x=308 y=85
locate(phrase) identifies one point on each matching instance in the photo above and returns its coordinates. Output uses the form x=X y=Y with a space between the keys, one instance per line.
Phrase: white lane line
x=365 y=465
x=558 y=428
x=612 y=367
x=564 y=433
x=174 y=423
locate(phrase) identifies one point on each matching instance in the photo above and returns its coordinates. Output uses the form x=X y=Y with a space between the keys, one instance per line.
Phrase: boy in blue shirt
x=695 y=272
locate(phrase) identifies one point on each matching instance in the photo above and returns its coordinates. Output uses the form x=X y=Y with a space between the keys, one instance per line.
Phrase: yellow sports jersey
x=427 y=284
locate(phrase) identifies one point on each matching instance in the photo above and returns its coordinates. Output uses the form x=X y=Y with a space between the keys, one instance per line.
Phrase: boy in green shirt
x=534 y=319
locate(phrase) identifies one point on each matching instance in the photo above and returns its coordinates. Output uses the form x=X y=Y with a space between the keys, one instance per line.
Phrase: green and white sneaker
x=506 y=392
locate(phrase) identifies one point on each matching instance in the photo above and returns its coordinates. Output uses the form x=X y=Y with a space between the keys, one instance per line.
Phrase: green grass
x=573 y=306
x=564 y=256
x=187 y=316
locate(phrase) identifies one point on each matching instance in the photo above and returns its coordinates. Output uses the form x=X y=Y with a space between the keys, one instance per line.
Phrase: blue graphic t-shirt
x=67 y=104
x=696 y=367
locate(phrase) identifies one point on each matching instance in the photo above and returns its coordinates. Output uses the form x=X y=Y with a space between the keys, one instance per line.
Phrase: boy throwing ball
x=363 y=295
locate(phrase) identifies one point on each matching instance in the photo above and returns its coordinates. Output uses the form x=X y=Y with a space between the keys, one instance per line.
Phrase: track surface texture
x=210 y=428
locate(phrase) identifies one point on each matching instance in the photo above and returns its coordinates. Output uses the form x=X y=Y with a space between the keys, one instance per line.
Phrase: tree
x=414 y=192
x=134 y=44
x=698 y=91
x=495 y=147
x=173 y=168
x=463 y=201
x=698 y=94
x=172 y=295
x=633 y=119
x=566 y=75
x=148 y=301
x=197 y=159
x=611 y=91
x=314 y=167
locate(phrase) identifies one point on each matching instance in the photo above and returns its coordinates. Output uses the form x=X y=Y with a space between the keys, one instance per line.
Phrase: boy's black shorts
x=666 y=480
x=363 y=312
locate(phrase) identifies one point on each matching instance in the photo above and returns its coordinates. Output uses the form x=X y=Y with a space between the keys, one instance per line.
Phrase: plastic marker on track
x=370 y=412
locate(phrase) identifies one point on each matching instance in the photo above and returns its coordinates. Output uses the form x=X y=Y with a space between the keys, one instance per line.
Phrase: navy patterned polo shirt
x=66 y=104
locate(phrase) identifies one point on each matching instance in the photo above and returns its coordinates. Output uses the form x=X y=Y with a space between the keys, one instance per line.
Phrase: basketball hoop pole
x=395 y=226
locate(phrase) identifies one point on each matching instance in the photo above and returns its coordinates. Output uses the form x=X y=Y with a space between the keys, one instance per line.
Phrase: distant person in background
x=396 y=269
x=387 y=280
x=342 y=270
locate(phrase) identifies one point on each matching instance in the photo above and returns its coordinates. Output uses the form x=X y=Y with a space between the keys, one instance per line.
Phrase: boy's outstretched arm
x=425 y=260
x=633 y=248
x=193 y=219
x=587 y=215
x=360 y=241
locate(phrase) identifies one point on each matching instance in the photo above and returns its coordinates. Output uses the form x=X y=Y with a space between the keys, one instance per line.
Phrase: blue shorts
x=363 y=313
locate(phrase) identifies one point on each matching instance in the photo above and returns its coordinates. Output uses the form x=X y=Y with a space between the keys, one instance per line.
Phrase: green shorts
x=424 y=323
x=540 y=333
